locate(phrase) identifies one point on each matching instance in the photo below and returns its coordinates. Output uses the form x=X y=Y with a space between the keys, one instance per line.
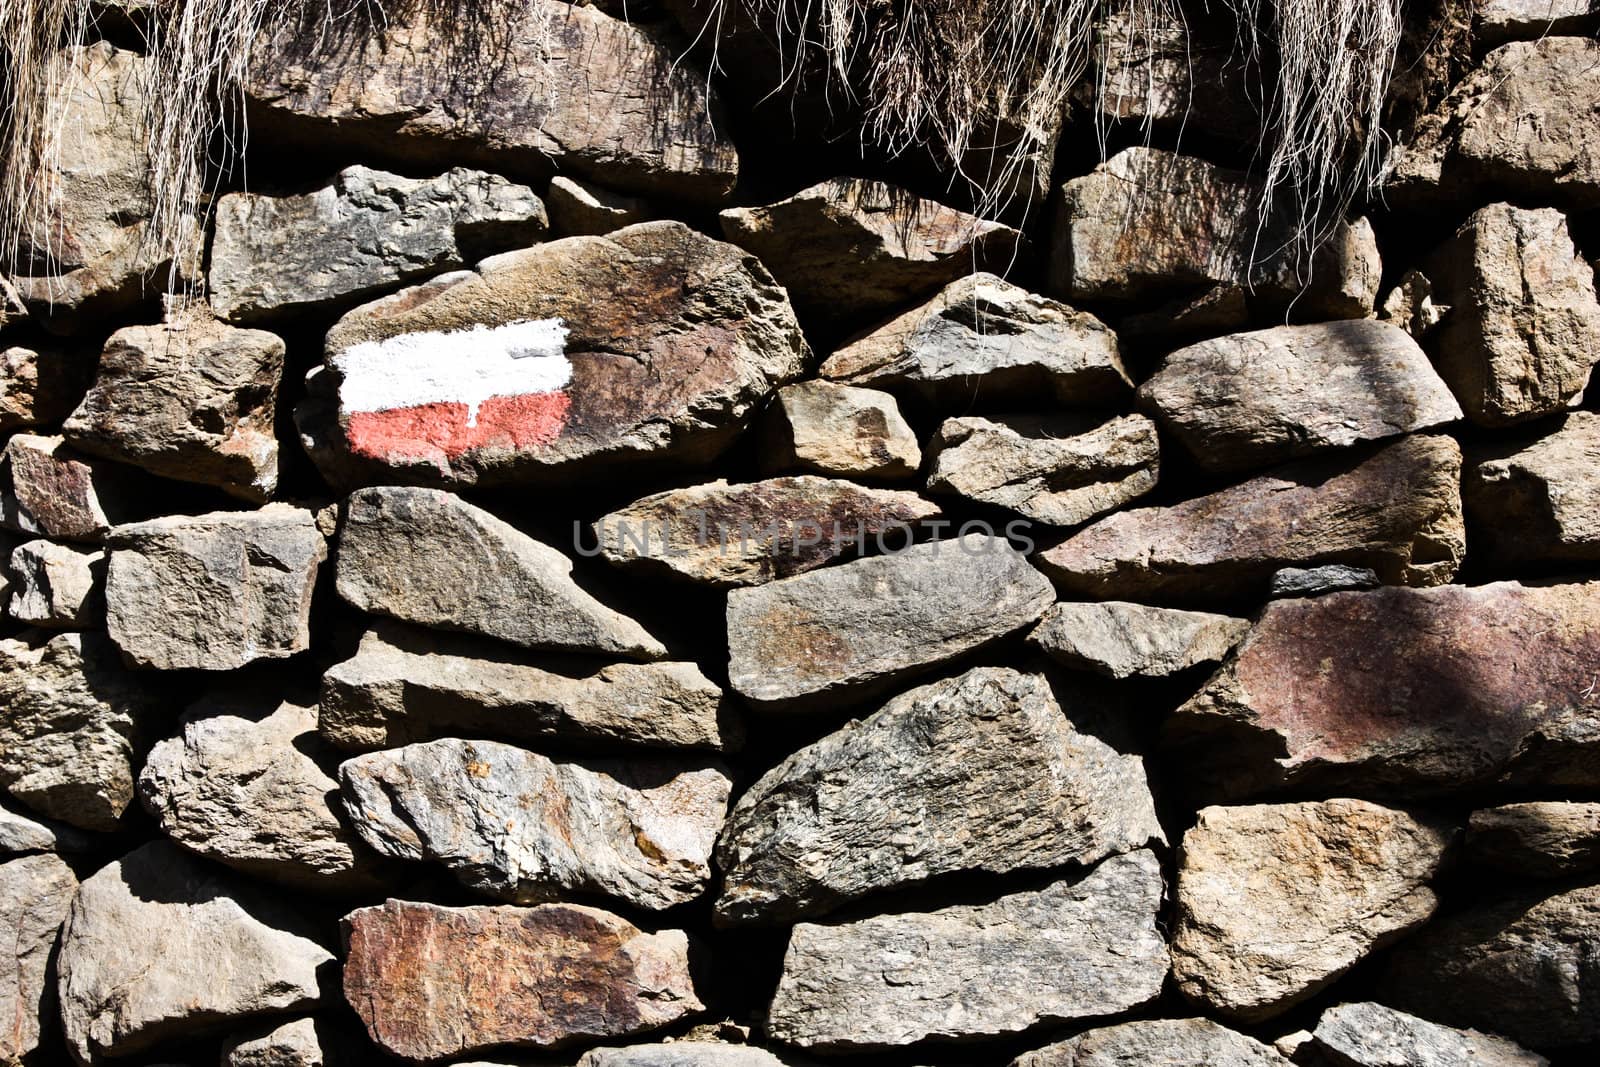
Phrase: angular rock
x=850 y=249
x=55 y=586
x=35 y=893
x=1397 y=511
x=59 y=494
x=1251 y=399
x=1169 y=1042
x=839 y=430
x=429 y=557
x=1123 y=640
x=983 y=340
x=566 y=88
x=748 y=534
x=274 y=256
x=1411 y=307
x=1519 y=341
x=680 y=1054
x=19 y=834
x=1504 y=20
x=651 y=345
x=1522 y=966
x=1315 y=581
x=1537 y=500
x=970 y=971
x=160 y=946
x=236 y=787
x=515 y=825
x=40 y=388
x=71 y=721
x=860 y=811
x=1371 y=1035
x=578 y=210
x=1061 y=470
x=1467 y=688
x=431 y=982
x=1541 y=839
x=291 y=1044
x=215 y=591
x=404 y=686
x=1276 y=901
x=861 y=625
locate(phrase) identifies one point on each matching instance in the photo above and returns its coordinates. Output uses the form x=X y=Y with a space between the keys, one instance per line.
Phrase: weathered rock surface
x=1542 y=838
x=1537 y=500
x=56 y=586
x=71 y=723
x=1123 y=640
x=158 y=946
x=405 y=685
x=566 y=88
x=1371 y=1035
x=1522 y=967
x=1168 y=1042
x=969 y=971
x=1410 y=305
x=35 y=893
x=370 y=230
x=1056 y=469
x=20 y=833
x=681 y=1054
x=1172 y=70
x=1397 y=511
x=1251 y=399
x=849 y=627
x=291 y=1044
x=849 y=250
x=1469 y=687
x=1316 y=581
x=840 y=430
x=428 y=557
x=236 y=787
x=432 y=982
x=1275 y=901
x=909 y=794
x=652 y=344
x=578 y=210
x=39 y=388
x=1520 y=338
x=1501 y=20
x=519 y=826
x=59 y=494
x=747 y=534
x=215 y=591
x=985 y=341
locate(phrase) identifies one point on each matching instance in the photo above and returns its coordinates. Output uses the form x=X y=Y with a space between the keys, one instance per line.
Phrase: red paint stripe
x=440 y=431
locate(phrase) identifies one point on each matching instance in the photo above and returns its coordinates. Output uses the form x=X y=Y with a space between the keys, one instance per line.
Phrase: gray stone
x=215 y=591
x=56 y=586
x=1541 y=839
x=861 y=811
x=515 y=825
x=235 y=786
x=1371 y=1035
x=274 y=256
x=850 y=628
x=971 y=971
x=159 y=946
x=1504 y=20
x=71 y=722
x=1251 y=399
x=1061 y=470
x=680 y=1054
x=1396 y=511
x=35 y=893
x=1537 y=500
x=291 y=1044
x=983 y=340
x=1167 y=1042
x=1315 y=581
x=1123 y=640
x=1276 y=901
x=839 y=430
x=428 y=557
x=578 y=210
x=57 y=493
x=38 y=388
x=405 y=685
x=20 y=833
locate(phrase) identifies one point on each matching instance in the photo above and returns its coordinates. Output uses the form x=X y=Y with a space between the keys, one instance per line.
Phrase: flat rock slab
x=59 y=493
x=1371 y=1035
x=35 y=893
x=406 y=685
x=1276 y=901
x=1253 y=399
x=919 y=789
x=56 y=586
x=216 y=591
x=159 y=946
x=844 y=628
x=1539 y=838
x=1397 y=511
x=431 y=983
x=1168 y=1042
x=1123 y=640
x=428 y=557
x=1317 y=581
x=1468 y=687
x=21 y=834
x=521 y=827
x=983 y=341
x=1537 y=500
x=727 y=536
x=971 y=971
x=651 y=345
x=274 y=256
x=1501 y=20
x=680 y=1054
x=839 y=430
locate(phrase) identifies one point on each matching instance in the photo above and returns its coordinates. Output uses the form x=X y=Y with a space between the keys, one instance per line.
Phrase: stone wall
x=574 y=574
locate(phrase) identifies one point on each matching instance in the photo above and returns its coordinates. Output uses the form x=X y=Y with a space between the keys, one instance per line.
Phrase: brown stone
x=1540 y=838
x=35 y=894
x=60 y=493
x=39 y=388
x=1537 y=500
x=839 y=430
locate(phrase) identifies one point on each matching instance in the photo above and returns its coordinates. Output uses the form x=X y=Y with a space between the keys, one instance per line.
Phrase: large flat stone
x=1502 y=20
x=1537 y=500
x=1371 y=1035
x=1123 y=640
x=1168 y=1042
x=839 y=430
x=35 y=893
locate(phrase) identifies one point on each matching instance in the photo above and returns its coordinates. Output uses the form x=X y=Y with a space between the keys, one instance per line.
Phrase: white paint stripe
x=454 y=366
